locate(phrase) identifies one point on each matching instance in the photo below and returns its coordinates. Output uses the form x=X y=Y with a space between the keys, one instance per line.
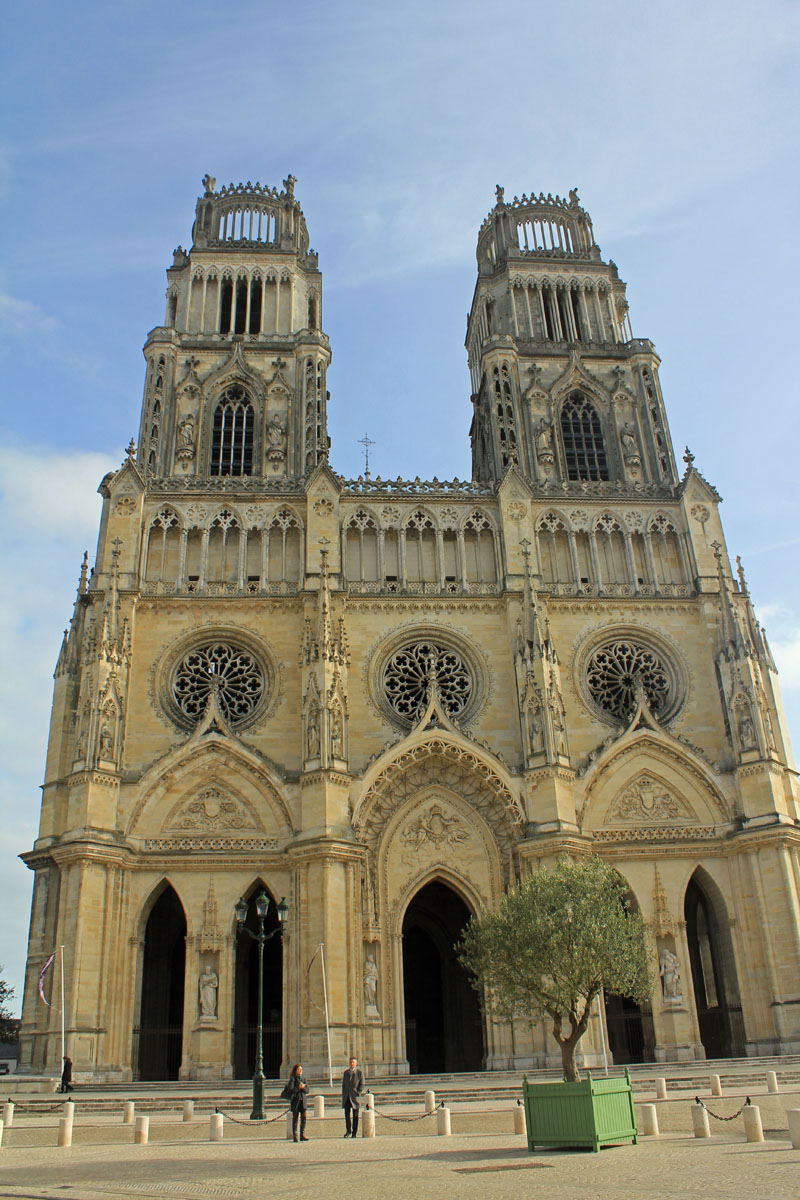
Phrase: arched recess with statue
x=652 y=807
x=439 y=820
x=214 y=812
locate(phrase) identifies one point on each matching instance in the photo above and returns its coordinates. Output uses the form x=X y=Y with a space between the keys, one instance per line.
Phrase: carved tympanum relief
x=647 y=801
x=212 y=810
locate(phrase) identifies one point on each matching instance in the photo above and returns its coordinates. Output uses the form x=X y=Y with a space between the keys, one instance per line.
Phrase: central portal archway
x=245 y=1030
x=444 y=1029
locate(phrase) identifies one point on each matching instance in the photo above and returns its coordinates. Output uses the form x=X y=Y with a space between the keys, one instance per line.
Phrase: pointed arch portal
x=716 y=987
x=246 y=994
x=444 y=1028
x=160 y=1034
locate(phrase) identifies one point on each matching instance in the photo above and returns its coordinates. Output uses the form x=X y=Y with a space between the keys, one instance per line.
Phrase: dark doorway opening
x=159 y=1039
x=245 y=1029
x=716 y=989
x=629 y=1030
x=444 y=1028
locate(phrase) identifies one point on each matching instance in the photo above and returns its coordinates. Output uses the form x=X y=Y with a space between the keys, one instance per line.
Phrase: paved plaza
x=482 y=1158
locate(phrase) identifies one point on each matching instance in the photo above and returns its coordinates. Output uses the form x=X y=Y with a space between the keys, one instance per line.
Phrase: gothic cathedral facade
x=387 y=700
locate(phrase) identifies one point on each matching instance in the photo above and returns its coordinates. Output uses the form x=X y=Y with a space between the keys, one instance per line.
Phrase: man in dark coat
x=352 y=1087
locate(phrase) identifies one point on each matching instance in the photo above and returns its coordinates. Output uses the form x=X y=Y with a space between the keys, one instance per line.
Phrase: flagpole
x=63 y=1042
x=327 y=1020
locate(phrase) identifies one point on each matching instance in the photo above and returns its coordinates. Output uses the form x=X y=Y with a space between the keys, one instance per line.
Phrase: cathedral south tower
x=386 y=702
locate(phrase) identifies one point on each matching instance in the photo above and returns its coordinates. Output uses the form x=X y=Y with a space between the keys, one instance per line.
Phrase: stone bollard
x=772 y=1082
x=1 y=1133
x=368 y=1122
x=8 y=1113
x=519 y=1119
x=430 y=1101
x=289 y=1133
x=661 y=1089
x=443 y=1121
x=649 y=1121
x=128 y=1112
x=188 y=1110
x=369 y=1100
x=753 y=1130
x=794 y=1127
x=65 y=1131
x=69 y=1110
x=319 y=1106
x=716 y=1086
x=216 y=1127
x=141 y=1131
x=700 y=1121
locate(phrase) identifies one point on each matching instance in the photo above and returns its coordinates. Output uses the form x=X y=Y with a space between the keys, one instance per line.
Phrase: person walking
x=352 y=1087
x=297 y=1094
x=66 y=1074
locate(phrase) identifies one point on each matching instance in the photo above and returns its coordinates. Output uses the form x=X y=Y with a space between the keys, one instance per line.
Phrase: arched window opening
x=554 y=550
x=421 y=565
x=241 y=306
x=194 y=558
x=361 y=541
x=283 y=550
x=391 y=560
x=255 y=305
x=232 y=434
x=665 y=541
x=577 y=317
x=506 y=428
x=479 y=550
x=582 y=436
x=223 y=548
x=312 y=312
x=225 y=306
x=163 y=548
x=610 y=542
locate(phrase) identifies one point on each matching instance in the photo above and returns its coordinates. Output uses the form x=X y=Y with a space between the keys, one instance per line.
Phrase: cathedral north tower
x=235 y=380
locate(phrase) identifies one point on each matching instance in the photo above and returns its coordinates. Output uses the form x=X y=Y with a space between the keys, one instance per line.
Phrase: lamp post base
x=258 y=1097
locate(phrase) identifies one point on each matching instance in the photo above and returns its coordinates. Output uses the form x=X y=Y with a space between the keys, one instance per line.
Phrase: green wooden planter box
x=594 y=1112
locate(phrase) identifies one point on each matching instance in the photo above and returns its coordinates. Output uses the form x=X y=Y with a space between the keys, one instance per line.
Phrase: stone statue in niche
x=371 y=985
x=669 y=970
x=207 y=986
x=186 y=432
x=535 y=730
x=276 y=441
x=747 y=731
x=544 y=442
x=312 y=734
x=106 y=744
x=337 y=733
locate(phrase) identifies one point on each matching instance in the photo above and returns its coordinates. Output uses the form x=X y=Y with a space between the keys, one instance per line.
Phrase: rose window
x=236 y=673
x=612 y=672
x=405 y=679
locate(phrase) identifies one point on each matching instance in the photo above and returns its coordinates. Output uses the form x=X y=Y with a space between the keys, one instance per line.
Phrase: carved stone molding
x=648 y=801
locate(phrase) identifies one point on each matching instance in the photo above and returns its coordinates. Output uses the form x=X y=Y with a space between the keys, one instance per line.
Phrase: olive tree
x=553 y=944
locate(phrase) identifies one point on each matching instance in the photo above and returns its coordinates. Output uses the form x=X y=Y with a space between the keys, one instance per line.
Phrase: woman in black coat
x=297 y=1089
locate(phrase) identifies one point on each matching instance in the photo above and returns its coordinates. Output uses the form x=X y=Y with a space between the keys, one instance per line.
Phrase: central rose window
x=405 y=678
x=614 y=669
x=234 y=670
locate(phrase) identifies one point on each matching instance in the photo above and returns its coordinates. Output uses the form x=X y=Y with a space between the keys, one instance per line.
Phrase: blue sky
x=677 y=122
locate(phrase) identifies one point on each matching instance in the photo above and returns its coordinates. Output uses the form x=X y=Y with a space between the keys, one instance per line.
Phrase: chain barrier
x=238 y=1121
x=697 y=1100
x=420 y=1117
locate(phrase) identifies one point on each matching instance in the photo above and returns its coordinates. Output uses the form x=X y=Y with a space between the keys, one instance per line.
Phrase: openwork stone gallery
x=380 y=703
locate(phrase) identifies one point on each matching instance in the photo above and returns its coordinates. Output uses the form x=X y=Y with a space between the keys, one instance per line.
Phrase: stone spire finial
x=688 y=457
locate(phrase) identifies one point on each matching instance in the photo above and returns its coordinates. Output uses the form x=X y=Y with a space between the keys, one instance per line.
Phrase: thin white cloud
x=20 y=318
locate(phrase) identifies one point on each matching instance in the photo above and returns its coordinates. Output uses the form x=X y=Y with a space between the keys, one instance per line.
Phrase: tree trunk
x=569 y=1044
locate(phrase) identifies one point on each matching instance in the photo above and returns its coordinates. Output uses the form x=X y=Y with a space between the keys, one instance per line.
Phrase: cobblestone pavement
x=673 y=1167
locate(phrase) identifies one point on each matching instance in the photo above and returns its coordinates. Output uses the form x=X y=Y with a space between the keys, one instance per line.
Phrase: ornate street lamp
x=262 y=907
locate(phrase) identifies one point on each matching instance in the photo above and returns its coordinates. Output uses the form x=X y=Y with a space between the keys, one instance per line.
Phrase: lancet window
x=163 y=547
x=283 y=550
x=479 y=549
x=232 y=434
x=582 y=437
x=504 y=411
x=554 y=550
x=361 y=547
x=665 y=543
x=224 y=539
x=420 y=549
